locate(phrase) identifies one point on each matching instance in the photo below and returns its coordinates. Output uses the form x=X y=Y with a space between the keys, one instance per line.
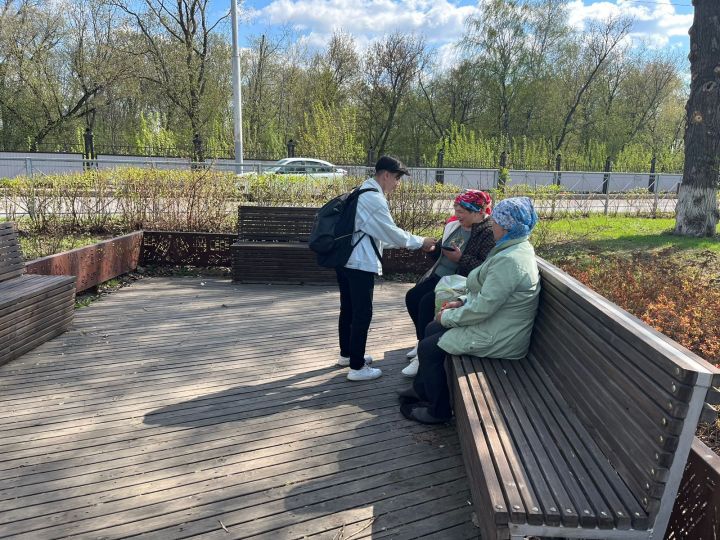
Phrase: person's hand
x=454 y=304
x=454 y=254
x=438 y=317
x=428 y=244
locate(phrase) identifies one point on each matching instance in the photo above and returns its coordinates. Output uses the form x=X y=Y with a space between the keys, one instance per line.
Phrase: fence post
x=655 y=198
x=440 y=174
x=558 y=166
x=31 y=197
x=501 y=171
x=371 y=157
x=651 y=181
x=89 y=154
x=291 y=148
x=606 y=183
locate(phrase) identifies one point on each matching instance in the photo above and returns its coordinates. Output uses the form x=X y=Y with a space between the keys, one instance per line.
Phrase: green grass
x=618 y=234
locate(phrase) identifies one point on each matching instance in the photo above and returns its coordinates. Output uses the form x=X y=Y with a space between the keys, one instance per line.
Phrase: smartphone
x=448 y=248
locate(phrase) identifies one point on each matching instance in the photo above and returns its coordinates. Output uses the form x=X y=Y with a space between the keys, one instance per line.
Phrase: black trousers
x=420 y=303
x=356 y=297
x=431 y=380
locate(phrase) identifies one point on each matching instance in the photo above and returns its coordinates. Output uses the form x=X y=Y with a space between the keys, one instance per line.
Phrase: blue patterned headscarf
x=517 y=216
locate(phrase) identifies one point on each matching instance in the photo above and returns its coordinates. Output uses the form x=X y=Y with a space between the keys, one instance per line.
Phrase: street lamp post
x=237 y=98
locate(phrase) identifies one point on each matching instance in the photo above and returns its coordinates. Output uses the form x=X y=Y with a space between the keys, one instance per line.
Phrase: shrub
x=681 y=300
x=126 y=198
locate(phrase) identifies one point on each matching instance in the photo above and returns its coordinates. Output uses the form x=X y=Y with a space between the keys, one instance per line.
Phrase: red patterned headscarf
x=473 y=200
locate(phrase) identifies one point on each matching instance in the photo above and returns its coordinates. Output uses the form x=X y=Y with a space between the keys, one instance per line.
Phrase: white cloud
x=441 y=22
x=655 y=23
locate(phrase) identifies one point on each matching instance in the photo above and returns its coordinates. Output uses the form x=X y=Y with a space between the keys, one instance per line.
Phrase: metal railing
x=554 y=192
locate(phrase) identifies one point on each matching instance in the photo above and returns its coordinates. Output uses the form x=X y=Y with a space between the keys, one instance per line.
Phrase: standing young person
x=374 y=230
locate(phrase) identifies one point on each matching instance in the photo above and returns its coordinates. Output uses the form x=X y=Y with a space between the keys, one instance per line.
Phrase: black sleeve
x=477 y=250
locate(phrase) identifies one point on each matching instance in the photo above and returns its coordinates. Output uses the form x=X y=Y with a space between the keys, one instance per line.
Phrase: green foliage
x=152 y=138
x=634 y=157
x=503 y=178
x=463 y=147
x=331 y=133
x=100 y=201
x=523 y=66
x=55 y=240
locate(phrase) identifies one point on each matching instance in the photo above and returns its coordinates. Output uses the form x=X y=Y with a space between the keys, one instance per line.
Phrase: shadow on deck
x=183 y=407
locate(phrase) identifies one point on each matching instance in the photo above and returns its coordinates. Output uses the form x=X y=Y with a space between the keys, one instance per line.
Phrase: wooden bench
x=272 y=246
x=588 y=436
x=33 y=308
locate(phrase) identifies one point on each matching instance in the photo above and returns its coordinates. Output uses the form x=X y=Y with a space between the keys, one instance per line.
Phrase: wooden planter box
x=93 y=264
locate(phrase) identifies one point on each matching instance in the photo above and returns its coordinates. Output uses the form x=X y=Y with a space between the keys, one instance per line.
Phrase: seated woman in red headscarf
x=469 y=235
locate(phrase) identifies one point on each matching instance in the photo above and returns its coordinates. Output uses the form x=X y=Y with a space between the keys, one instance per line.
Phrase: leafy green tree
x=390 y=67
x=178 y=44
x=497 y=41
x=331 y=134
x=57 y=65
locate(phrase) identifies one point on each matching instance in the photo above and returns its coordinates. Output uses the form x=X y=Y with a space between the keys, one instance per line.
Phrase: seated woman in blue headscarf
x=494 y=319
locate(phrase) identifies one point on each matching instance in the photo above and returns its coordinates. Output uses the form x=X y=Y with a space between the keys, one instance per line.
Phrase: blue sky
x=660 y=24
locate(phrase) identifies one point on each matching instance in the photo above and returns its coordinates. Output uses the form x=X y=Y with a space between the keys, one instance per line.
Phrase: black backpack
x=332 y=231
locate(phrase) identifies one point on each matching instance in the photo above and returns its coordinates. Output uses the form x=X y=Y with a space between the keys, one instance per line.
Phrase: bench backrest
x=275 y=223
x=11 y=260
x=638 y=393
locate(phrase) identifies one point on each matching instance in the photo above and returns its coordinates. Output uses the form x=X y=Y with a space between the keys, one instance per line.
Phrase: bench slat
x=609 y=402
x=31 y=288
x=622 y=507
x=552 y=447
x=53 y=326
x=553 y=498
x=25 y=314
x=30 y=329
x=632 y=460
x=633 y=390
x=672 y=357
x=637 y=362
x=267 y=223
x=603 y=407
x=492 y=429
x=33 y=308
x=484 y=484
x=9 y=249
x=11 y=261
x=261 y=262
x=532 y=506
x=563 y=460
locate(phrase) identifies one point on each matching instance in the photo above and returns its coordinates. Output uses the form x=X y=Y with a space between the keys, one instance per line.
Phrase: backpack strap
x=375 y=249
x=372 y=241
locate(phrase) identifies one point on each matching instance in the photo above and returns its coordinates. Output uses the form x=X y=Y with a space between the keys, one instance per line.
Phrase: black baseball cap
x=391 y=164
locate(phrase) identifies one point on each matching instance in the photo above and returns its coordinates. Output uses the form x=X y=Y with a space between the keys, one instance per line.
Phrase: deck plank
x=178 y=404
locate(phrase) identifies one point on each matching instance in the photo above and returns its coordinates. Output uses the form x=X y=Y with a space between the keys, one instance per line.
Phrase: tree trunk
x=697 y=209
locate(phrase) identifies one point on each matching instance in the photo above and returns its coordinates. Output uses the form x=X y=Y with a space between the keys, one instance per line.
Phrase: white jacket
x=373 y=218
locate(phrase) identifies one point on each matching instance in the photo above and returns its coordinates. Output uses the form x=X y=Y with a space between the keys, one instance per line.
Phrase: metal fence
x=13 y=164
x=555 y=192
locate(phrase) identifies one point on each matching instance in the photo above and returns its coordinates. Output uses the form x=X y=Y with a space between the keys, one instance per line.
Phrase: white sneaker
x=344 y=361
x=412 y=353
x=412 y=368
x=367 y=373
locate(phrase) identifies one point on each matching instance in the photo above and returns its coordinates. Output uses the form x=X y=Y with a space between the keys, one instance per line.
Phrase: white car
x=315 y=168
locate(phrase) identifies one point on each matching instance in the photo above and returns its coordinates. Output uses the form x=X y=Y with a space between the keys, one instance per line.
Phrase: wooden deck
x=181 y=407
